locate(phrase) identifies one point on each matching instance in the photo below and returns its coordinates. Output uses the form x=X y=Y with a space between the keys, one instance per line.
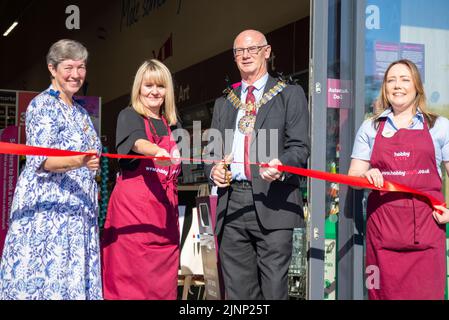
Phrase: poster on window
x=23 y=100
x=8 y=179
x=388 y=52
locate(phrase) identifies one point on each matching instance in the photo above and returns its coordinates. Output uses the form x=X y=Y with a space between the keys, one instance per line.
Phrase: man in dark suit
x=257 y=207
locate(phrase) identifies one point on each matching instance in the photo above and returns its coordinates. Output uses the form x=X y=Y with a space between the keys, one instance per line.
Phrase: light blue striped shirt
x=366 y=135
x=237 y=169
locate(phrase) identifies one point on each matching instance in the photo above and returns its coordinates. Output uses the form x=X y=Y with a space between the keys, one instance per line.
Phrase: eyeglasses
x=251 y=50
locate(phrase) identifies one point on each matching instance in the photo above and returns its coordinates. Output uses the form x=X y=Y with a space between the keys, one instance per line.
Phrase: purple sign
x=339 y=93
x=93 y=107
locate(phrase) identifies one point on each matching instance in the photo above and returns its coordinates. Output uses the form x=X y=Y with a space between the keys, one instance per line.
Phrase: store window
x=417 y=30
x=196 y=118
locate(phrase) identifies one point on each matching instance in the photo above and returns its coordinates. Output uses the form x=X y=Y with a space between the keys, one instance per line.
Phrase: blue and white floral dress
x=52 y=245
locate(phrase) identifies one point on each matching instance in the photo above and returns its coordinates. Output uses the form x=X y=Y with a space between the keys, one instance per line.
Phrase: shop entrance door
x=335 y=233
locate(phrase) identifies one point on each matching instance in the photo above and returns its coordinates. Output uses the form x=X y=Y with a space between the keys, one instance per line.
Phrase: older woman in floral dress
x=52 y=245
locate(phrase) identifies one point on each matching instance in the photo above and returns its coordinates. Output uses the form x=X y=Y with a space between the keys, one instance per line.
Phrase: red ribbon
x=360 y=182
x=20 y=149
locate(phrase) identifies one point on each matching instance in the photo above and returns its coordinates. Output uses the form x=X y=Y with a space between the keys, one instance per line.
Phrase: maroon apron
x=403 y=240
x=140 y=247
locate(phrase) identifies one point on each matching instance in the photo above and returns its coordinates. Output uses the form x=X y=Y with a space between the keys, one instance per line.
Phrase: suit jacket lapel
x=263 y=110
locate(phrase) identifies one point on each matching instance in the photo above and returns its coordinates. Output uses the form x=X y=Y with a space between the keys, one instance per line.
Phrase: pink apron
x=403 y=240
x=140 y=243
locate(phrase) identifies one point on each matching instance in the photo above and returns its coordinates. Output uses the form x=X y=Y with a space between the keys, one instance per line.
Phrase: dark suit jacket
x=278 y=204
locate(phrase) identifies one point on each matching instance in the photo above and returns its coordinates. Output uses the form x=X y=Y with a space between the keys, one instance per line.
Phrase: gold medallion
x=246 y=124
x=250 y=108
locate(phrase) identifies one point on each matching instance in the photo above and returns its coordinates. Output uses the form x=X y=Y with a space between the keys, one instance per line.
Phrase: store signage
x=183 y=93
x=8 y=108
x=7 y=97
x=372 y=21
x=339 y=93
x=73 y=20
x=133 y=10
x=165 y=51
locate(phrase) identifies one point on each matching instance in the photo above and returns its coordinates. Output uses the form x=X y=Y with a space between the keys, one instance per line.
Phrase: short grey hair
x=66 y=49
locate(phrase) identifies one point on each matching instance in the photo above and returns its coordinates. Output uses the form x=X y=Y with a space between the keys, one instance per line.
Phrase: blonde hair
x=155 y=71
x=419 y=101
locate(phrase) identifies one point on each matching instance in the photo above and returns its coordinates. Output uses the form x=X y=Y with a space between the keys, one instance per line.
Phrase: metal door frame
x=350 y=276
x=318 y=107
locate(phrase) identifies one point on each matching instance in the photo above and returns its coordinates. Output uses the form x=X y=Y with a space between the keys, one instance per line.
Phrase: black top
x=130 y=128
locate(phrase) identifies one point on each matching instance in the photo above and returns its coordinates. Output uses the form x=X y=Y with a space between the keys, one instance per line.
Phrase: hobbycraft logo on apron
x=157 y=170
x=160 y=170
x=403 y=173
x=401 y=155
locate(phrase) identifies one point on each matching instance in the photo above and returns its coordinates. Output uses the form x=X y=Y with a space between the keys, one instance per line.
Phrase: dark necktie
x=250 y=98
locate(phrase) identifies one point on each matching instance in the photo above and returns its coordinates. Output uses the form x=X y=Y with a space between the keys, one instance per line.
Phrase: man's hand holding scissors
x=221 y=175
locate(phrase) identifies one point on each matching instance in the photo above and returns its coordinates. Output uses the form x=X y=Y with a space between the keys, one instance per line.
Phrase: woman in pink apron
x=140 y=243
x=405 y=237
